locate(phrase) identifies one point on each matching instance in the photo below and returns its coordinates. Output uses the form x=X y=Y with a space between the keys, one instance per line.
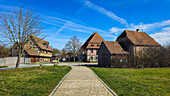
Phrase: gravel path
x=81 y=81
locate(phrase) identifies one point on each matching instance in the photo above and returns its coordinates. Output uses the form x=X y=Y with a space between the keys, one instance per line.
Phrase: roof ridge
x=40 y=43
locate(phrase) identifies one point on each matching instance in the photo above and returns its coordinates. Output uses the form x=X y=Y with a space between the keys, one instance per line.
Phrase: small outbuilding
x=110 y=53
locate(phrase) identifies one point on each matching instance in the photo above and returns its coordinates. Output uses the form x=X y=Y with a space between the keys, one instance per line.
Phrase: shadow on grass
x=87 y=65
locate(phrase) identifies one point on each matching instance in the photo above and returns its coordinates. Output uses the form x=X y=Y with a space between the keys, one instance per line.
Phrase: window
x=34 y=46
x=97 y=44
x=126 y=60
x=91 y=57
x=121 y=60
x=92 y=51
x=92 y=45
x=96 y=57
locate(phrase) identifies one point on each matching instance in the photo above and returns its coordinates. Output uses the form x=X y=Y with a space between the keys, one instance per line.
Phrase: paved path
x=81 y=82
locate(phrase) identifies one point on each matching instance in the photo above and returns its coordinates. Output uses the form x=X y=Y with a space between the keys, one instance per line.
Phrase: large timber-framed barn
x=129 y=42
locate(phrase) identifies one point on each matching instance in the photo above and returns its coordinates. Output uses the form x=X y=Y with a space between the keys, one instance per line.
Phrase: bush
x=152 y=57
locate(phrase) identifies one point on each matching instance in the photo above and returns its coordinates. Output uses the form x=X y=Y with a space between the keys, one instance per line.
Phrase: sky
x=63 y=19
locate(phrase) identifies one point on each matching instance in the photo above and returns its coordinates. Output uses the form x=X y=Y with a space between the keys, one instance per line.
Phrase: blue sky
x=66 y=18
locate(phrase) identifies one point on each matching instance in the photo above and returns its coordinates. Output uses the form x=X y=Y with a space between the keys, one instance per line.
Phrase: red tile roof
x=42 y=43
x=95 y=39
x=30 y=50
x=139 y=38
x=114 y=47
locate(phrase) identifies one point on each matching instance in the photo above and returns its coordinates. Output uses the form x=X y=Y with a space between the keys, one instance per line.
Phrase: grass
x=136 y=82
x=34 y=81
x=3 y=66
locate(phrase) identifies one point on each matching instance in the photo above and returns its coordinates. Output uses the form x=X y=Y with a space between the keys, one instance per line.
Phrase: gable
x=86 y=43
x=42 y=43
x=95 y=39
x=103 y=49
x=114 y=47
x=30 y=50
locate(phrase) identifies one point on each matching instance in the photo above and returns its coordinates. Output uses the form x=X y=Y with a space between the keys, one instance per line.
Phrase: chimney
x=94 y=32
x=138 y=30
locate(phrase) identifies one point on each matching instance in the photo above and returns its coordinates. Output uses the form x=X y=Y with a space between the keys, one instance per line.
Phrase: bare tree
x=73 y=46
x=56 y=51
x=63 y=53
x=16 y=28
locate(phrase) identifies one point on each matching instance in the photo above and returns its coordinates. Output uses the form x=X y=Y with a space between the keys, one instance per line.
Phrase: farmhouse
x=37 y=49
x=129 y=42
x=136 y=41
x=89 y=49
x=111 y=51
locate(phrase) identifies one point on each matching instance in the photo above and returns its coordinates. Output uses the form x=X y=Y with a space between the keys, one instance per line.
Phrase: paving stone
x=81 y=82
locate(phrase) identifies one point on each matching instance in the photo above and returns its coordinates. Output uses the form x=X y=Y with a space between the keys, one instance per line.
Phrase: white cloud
x=106 y=12
x=166 y=29
x=149 y=27
x=144 y=27
x=160 y=31
x=60 y=29
x=161 y=37
x=116 y=30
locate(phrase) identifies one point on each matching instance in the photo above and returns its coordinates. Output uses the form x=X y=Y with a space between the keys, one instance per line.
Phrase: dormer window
x=92 y=45
x=98 y=45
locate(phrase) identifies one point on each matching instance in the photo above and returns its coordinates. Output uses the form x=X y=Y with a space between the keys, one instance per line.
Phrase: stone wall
x=12 y=60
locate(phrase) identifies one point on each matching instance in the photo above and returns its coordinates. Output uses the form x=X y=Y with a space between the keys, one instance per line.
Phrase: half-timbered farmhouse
x=90 y=48
x=37 y=49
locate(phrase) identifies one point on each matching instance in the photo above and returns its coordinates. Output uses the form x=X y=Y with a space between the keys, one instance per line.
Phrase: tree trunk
x=18 y=61
x=74 y=59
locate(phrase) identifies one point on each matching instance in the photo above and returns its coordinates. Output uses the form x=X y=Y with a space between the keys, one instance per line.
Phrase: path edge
x=104 y=84
x=51 y=94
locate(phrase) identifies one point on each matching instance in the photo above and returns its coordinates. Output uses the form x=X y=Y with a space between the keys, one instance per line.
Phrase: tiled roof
x=95 y=39
x=93 y=46
x=140 y=38
x=41 y=43
x=30 y=50
x=114 y=47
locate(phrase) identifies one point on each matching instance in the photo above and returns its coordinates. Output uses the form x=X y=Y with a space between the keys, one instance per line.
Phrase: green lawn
x=136 y=82
x=34 y=81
